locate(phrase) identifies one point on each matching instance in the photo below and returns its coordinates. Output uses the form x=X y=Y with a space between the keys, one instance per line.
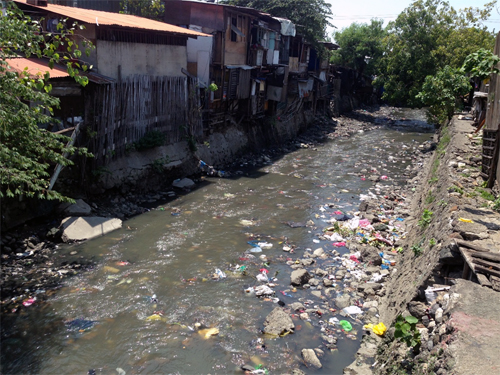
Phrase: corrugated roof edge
x=42 y=65
x=97 y=17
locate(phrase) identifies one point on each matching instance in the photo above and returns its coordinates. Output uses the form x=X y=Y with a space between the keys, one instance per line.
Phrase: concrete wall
x=199 y=51
x=139 y=58
x=134 y=171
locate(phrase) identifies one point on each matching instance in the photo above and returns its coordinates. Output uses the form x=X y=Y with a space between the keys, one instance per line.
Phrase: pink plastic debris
x=384 y=177
x=338 y=244
x=29 y=302
x=363 y=223
x=337 y=212
x=354 y=258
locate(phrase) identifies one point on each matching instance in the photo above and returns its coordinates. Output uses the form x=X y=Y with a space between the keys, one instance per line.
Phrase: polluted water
x=186 y=288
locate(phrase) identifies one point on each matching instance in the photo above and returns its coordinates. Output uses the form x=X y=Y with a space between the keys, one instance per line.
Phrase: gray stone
x=364 y=287
x=319 y=352
x=318 y=252
x=307 y=262
x=184 y=183
x=296 y=371
x=340 y=274
x=327 y=282
x=319 y=272
x=299 y=277
x=296 y=306
x=417 y=309
x=369 y=255
x=329 y=339
x=313 y=282
x=369 y=304
x=343 y=301
x=79 y=208
x=310 y=358
x=316 y=293
x=278 y=322
x=85 y=228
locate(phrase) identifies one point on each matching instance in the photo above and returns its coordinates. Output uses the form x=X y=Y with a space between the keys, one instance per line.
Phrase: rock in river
x=278 y=322
x=310 y=358
x=299 y=277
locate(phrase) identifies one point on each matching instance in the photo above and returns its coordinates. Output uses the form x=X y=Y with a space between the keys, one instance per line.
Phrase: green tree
x=441 y=92
x=27 y=151
x=425 y=37
x=481 y=64
x=310 y=16
x=152 y=9
x=361 y=46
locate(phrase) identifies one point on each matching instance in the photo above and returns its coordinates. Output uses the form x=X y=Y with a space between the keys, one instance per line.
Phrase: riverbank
x=458 y=321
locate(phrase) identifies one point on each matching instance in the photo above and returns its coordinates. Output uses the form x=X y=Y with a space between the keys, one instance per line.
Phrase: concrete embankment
x=458 y=320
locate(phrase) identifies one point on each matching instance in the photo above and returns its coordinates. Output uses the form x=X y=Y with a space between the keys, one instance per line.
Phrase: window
x=237 y=25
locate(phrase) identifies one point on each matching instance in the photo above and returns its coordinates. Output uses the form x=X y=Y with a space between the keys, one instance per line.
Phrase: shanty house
x=125 y=45
x=144 y=64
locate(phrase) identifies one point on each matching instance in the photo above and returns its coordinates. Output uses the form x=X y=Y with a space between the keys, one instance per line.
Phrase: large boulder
x=310 y=358
x=278 y=323
x=184 y=183
x=370 y=255
x=79 y=208
x=85 y=228
x=300 y=277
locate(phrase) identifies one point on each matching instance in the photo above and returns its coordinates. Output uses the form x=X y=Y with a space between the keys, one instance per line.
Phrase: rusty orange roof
x=97 y=17
x=36 y=67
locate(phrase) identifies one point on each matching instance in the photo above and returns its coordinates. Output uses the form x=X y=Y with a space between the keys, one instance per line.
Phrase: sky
x=362 y=11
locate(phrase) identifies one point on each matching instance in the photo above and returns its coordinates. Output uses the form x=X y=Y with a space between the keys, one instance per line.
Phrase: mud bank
x=458 y=319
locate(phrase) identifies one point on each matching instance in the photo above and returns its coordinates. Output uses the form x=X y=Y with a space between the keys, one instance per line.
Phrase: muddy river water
x=140 y=309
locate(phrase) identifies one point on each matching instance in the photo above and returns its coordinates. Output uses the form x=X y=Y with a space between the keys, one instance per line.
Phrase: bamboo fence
x=123 y=112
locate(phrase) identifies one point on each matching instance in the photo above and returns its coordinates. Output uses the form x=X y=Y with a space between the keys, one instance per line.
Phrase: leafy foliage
x=425 y=37
x=361 y=46
x=441 y=92
x=425 y=219
x=27 y=151
x=310 y=16
x=406 y=330
x=152 y=9
x=481 y=64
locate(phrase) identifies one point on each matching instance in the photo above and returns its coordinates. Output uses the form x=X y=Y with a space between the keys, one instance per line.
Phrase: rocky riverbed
x=31 y=265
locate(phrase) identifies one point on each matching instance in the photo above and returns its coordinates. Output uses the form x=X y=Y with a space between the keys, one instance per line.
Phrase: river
x=153 y=287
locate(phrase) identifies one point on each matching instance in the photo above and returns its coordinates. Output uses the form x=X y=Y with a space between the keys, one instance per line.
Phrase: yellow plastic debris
x=206 y=333
x=465 y=220
x=154 y=317
x=378 y=329
x=111 y=269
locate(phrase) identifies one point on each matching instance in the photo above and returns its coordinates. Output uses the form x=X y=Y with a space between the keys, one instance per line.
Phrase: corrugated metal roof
x=97 y=17
x=36 y=67
x=40 y=66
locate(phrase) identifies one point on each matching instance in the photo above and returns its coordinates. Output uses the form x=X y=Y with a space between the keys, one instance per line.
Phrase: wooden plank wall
x=493 y=114
x=124 y=112
x=493 y=119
